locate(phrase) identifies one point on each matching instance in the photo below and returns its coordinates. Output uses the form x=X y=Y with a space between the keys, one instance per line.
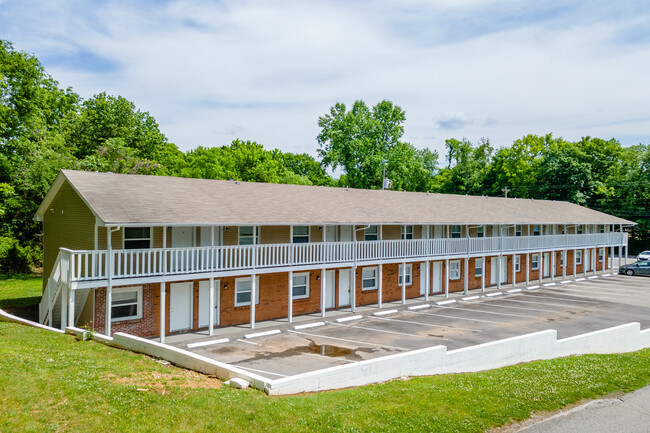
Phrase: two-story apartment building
x=154 y=255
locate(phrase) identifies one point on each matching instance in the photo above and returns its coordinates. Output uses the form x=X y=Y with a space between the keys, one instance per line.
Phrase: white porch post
x=65 y=293
x=71 y=313
x=564 y=260
x=499 y=265
x=404 y=282
x=353 y=291
x=584 y=261
x=575 y=262
x=611 y=259
x=553 y=260
x=164 y=254
x=163 y=308
x=483 y=275
x=290 y=301
x=253 y=298
x=427 y=280
x=322 y=292
x=380 y=284
x=109 y=279
x=594 y=260
x=514 y=271
x=218 y=303
x=211 y=304
x=527 y=268
x=466 y=276
x=541 y=266
x=446 y=278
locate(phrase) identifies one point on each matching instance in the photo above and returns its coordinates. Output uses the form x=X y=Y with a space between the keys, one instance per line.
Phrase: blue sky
x=214 y=71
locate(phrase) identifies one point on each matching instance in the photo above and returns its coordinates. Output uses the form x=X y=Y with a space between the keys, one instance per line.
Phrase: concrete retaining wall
x=6 y=317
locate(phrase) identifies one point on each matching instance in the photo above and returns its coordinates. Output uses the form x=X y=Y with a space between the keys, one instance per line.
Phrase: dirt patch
x=162 y=383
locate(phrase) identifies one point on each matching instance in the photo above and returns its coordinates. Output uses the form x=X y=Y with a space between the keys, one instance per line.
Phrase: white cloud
x=211 y=72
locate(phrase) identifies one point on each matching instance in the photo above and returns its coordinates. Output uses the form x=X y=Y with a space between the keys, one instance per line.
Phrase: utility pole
x=506 y=190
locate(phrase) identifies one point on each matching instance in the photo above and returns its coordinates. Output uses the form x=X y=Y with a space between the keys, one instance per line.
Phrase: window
x=562 y=259
x=534 y=262
x=300 y=286
x=579 y=229
x=478 y=267
x=407 y=232
x=601 y=255
x=578 y=257
x=249 y=235
x=370 y=234
x=243 y=291
x=517 y=263
x=126 y=304
x=536 y=231
x=518 y=230
x=369 y=279
x=602 y=228
x=480 y=231
x=455 y=231
x=409 y=275
x=300 y=234
x=137 y=238
x=454 y=270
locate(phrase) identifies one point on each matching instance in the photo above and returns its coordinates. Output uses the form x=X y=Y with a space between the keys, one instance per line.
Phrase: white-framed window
x=136 y=238
x=518 y=263
x=300 y=288
x=578 y=257
x=454 y=270
x=601 y=255
x=480 y=231
x=455 y=231
x=517 y=229
x=579 y=229
x=249 y=235
x=478 y=267
x=369 y=278
x=243 y=287
x=534 y=262
x=371 y=233
x=561 y=258
x=126 y=303
x=537 y=230
x=409 y=274
x=407 y=232
x=300 y=234
x=602 y=228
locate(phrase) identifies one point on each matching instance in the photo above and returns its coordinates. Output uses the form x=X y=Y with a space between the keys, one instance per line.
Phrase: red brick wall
x=144 y=327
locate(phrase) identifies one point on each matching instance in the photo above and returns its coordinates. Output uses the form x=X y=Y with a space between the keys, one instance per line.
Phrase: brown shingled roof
x=160 y=200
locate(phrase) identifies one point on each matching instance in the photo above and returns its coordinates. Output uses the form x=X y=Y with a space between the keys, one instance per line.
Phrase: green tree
x=467 y=168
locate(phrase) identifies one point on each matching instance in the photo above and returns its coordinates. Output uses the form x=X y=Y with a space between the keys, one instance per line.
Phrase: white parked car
x=645 y=255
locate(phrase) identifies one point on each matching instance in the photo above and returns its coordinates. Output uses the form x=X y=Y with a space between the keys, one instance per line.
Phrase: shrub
x=13 y=257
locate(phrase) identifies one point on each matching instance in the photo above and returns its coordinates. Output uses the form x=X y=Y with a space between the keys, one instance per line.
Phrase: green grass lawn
x=52 y=382
x=18 y=291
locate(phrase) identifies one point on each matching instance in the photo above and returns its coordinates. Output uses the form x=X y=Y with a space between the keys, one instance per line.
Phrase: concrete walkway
x=629 y=413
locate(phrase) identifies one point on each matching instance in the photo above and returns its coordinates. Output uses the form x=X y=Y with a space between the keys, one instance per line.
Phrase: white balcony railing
x=93 y=264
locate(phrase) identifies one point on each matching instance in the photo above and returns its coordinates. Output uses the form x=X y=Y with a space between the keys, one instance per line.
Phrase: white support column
x=553 y=260
x=163 y=309
x=290 y=301
x=514 y=271
x=611 y=259
x=404 y=282
x=427 y=279
x=110 y=261
x=575 y=262
x=499 y=265
x=380 y=285
x=584 y=261
x=65 y=293
x=253 y=298
x=541 y=266
x=527 y=268
x=211 y=304
x=564 y=260
x=483 y=275
x=322 y=292
x=446 y=278
x=71 y=310
x=466 y=276
x=218 y=302
x=594 y=260
x=353 y=290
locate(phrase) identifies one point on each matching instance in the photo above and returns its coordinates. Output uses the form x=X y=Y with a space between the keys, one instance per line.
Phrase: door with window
x=180 y=306
x=344 y=287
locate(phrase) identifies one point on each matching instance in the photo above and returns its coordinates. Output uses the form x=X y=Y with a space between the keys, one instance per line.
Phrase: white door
x=180 y=306
x=344 y=287
x=436 y=280
x=504 y=269
x=204 y=303
x=182 y=237
x=438 y=232
x=346 y=233
x=493 y=270
x=547 y=259
x=424 y=270
x=587 y=259
x=330 y=233
x=330 y=288
x=206 y=236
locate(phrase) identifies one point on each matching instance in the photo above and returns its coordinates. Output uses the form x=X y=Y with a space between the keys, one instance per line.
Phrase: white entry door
x=330 y=233
x=587 y=259
x=346 y=233
x=344 y=287
x=330 y=288
x=547 y=259
x=204 y=303
x=182 y=237
x=504 y=269
x=180 y=306
x=436 y=280
x=438 y=232
x=493 y=270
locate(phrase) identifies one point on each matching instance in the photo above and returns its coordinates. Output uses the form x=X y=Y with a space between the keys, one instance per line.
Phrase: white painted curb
x=384 y=313
x=491 y=295
x=593 y=277
x=580 y=279
x=451 y=301
x=309 y=325
x=532 y=287
x=514 y=291
x=419 y=307
x=349 y=318
x=207 y=343
x=470 y=298
x=606 y=275
x=549 y=284
x=565 y=282
x=262 y=334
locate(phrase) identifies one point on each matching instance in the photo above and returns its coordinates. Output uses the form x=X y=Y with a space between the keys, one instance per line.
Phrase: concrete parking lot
x=571 y=306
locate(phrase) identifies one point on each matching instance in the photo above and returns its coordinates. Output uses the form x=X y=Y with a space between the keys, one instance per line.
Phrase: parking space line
x=260 y=371
x=248 y=342
x=348 y=341
x=452 y=317
x=433 y=325
x=548 y=304
x=491 y=312
x=563 y=299
x=517 y=308
x=378 y=330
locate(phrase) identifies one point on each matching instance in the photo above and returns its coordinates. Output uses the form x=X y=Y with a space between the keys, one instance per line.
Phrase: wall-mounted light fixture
x=317 y=277
x=225 y=286
x=225 y=229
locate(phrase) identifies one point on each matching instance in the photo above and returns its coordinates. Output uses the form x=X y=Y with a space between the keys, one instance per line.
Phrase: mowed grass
x=20 y=290
x=52 y=382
